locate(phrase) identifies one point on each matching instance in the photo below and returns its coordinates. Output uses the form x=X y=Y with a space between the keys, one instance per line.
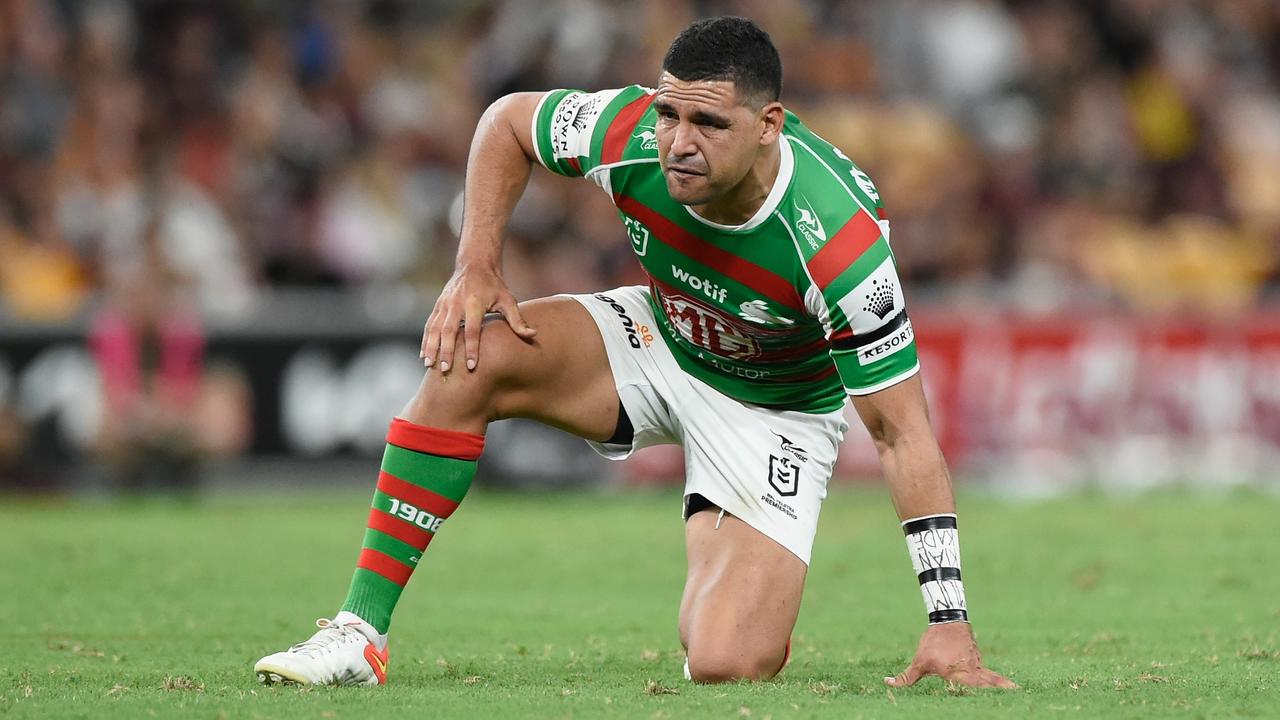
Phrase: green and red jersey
x=792 y=309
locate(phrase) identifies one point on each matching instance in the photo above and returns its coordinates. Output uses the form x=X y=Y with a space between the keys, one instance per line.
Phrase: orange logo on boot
x=377 y=661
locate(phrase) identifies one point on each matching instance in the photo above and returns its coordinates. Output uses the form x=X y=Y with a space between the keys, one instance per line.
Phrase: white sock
x=350 y=618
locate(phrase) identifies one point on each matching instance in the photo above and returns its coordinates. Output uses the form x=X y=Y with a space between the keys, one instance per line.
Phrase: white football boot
x=340 y=653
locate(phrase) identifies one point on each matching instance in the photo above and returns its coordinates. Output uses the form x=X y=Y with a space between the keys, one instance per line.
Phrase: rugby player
x=772 y=301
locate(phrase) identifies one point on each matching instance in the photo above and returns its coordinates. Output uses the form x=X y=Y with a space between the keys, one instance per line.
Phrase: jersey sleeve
x=861 y=304
x=872 y=342
x=842 y=235
x=575 y=132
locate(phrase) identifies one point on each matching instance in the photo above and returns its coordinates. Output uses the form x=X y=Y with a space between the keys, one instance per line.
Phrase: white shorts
x=767 y=467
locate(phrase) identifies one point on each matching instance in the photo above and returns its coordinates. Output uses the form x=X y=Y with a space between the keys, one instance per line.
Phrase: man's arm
x=498 y=169
x=898 y=420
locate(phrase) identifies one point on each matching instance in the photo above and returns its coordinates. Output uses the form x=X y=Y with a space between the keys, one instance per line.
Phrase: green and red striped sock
x=425 y=474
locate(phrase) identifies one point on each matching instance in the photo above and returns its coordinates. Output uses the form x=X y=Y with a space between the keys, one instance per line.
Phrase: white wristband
x=934 y=544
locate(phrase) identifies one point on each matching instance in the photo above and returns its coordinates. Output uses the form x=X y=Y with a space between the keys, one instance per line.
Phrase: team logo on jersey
x=880 y=299
x=638 y=233
x=784 y=475
x=809 y=225
x=648 y=136
x=757 y=311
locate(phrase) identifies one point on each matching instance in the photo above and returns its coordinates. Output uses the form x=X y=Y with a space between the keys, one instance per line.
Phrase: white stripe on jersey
x=533 y=130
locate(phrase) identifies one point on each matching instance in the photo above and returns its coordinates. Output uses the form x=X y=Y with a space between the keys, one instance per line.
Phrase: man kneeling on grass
x=772 y=300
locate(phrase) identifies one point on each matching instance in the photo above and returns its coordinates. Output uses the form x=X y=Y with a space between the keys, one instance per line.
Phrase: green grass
x=565 y=606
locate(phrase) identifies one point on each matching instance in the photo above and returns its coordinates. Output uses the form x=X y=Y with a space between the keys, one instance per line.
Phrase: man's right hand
x=469 y=294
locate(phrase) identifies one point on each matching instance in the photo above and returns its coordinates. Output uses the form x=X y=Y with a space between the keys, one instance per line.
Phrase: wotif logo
x=809 y=225
x=706 y=287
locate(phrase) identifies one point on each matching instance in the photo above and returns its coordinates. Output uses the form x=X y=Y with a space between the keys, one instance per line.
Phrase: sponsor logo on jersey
x=864 y=182
x=633 y=331
x=708 y=288
x=787 y=446
x=757 y=311
x=711 y=329
x=885 y=347
x=809 y=225
x=880 y=298
x=638 y=233
x=749 y=373
x=874 y=301
x=648 y=136
x=784 y=475
x=572 y=123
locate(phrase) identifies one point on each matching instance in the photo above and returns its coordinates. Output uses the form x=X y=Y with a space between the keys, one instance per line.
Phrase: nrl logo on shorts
x=648 y=137
x=784 y=475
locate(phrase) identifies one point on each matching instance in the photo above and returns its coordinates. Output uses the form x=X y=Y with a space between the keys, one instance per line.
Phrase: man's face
x=708 y=139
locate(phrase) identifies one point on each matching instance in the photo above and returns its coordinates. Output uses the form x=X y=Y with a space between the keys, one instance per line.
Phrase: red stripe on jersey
x=573 y=163
x=822 y=374
x=398 y=528
x=385 y=565
x=423 y=498
x=796 y=352
x=619 y=132
x=765 y=282
x=844 y=333
x=843 y=249
x=434 y=441
x=880 y=213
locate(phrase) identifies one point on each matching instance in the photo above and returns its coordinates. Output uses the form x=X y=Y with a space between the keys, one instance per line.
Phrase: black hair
x=728 y=48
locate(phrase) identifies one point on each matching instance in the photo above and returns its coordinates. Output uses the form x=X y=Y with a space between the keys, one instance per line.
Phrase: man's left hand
x=950 y=652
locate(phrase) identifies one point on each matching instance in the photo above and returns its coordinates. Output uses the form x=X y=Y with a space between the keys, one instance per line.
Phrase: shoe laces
x=330 y=634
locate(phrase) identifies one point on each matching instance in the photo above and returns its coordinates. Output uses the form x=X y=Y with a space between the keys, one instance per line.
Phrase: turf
x=565 y=606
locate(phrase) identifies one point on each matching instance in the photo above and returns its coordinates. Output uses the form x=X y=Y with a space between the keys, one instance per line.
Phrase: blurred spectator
x=1119 y=153
x=149 y=349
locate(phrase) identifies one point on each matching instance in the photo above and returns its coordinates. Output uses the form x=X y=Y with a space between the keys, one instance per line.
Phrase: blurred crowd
x=1114 y=153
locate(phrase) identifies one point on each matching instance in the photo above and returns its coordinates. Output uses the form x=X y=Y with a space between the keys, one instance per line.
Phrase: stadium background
x=1085 y=200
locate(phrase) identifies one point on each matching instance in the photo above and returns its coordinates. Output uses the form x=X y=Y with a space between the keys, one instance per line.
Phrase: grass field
x=565 y=606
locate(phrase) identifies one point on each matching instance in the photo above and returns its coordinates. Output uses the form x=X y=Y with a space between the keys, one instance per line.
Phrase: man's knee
x=474 y=392
x=727 y=662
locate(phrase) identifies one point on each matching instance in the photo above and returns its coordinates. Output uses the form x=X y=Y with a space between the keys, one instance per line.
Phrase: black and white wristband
x=934 y=545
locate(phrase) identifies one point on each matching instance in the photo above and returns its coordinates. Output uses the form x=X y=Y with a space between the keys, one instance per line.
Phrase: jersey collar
x=786 y=167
